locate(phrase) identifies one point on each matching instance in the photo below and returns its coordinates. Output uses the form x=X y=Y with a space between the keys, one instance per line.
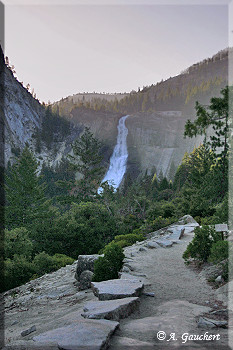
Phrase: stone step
x=110 y=309
x=164 y=243
x=84 y=334
x=117 y=289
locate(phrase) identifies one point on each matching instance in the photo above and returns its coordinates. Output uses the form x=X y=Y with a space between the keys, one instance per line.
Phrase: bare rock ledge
x=110 y=309
x=117 y=289
x=84 y=334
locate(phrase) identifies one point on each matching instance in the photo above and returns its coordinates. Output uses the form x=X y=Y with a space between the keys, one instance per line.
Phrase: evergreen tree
x=25 y=198
x=87 y=162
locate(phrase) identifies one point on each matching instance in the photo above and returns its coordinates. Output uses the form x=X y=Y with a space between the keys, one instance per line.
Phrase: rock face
x=111 y=309
x=83 y=334
x=117 y=289
x=85 y=263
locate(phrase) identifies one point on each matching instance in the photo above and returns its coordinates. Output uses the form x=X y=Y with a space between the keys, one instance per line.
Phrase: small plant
x=219 y=251
x=107 y=267
x=200 y=247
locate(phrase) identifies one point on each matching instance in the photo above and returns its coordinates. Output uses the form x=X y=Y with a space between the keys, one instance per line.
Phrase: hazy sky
x=65 y=49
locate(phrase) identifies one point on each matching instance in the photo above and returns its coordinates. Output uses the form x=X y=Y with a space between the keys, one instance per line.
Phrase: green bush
x=107 y=267
x=219 y=251
x=44 y=263
x=62 y=260
x=130 y=238
x=18 y=271
x=201 y=244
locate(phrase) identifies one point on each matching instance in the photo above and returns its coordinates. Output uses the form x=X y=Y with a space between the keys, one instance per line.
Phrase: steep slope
x=27 y=121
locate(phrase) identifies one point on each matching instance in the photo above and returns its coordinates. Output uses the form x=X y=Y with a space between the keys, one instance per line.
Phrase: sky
x=65 y=49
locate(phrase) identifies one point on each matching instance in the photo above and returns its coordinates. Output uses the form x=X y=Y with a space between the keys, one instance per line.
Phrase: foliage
x=219 y=251
x=200 y=247
x=86 y=161
x=130 y=238
x=18 y=270
x=25 y=198
x=125 y=240
x=84 y=229
x=17 y=242
x=107 y=267
x=44 y=263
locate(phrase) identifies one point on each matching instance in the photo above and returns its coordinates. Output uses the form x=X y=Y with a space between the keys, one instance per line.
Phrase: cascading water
x=118 y=160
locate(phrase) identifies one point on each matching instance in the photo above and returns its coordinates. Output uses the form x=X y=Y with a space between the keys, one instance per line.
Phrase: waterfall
x=118 y=160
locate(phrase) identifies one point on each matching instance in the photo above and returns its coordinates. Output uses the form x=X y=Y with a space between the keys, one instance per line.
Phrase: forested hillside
x=198 y=82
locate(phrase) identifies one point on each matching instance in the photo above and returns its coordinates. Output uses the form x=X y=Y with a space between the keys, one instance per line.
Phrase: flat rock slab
x=176 y=316
x=153 y=245
x=205 y=322
x=84 y=334
x=111 y=309
x=117 y=289
x=164 y=243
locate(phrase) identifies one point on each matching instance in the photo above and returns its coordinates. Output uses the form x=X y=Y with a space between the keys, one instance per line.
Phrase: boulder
x=110 y=309
x=208 y=323
x=164 y=243
x=84 y=334
x=85 y=279
x=28 y=331
x=152 y=245
x=117 y=289
x=84 y=263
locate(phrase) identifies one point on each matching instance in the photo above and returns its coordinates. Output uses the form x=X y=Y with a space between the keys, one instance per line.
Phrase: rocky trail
x=158 y=303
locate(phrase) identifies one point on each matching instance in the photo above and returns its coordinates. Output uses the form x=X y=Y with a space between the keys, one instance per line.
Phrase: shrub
x=44 y=263
x=61 y=260
x=18 y=270
x=130 y=238
x=201 y=244
x=219 y=251
x=107 y=267
x=160 y=222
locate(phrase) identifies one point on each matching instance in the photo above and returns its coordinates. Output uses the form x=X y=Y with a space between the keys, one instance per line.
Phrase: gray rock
x=116 y=289
x=28 y=331
x=125 y=269
x=153 y=245
x=85 y=280
x=164 y=243
x=218 y=279
x=148 y=294
x=111 y=309
x=205 y=322
x=142 y=249
x=83 y=334
x=129 y=266
x=222 y=312
x=85 y=262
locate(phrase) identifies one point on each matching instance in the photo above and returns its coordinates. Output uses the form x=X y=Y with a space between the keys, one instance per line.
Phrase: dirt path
x=173 y=283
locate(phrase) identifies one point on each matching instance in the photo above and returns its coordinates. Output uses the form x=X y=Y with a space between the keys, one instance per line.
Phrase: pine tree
x=25 y=200
x=87 y=162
